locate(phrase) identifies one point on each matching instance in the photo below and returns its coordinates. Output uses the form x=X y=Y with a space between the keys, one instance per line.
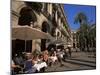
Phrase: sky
x=71 y=11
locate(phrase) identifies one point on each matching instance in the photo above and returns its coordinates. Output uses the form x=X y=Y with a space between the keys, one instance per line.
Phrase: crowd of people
x=37 y=61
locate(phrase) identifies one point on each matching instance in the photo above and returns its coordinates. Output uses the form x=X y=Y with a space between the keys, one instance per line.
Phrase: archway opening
x=26 y=16
x=45 y=28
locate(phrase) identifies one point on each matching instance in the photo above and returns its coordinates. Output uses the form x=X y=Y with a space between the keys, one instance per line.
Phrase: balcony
x=63 y=30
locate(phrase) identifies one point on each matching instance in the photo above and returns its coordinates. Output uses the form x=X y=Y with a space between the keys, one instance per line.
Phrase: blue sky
x=71 y=11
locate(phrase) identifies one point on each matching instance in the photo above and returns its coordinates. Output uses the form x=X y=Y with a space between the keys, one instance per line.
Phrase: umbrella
x=58 y=41
x=69 y=45
x=29 y=33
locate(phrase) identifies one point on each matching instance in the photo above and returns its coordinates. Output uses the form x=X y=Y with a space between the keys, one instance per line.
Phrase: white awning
x=29 y=33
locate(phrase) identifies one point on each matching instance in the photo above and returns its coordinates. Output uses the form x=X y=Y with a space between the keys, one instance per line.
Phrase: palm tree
x=92 y=33
x=86 y=34
x=80 y=18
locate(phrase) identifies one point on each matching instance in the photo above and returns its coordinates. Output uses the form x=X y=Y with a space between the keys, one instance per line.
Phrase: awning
x=29 y=33
x=59 y=41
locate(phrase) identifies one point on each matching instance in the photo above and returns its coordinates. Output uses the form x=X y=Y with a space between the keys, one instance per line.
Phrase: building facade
x=46 y=17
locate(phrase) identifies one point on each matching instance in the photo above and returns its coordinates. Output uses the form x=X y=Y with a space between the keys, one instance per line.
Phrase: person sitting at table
x=13 y=68
x=35 y=59
x=18 y=59
x=28 y=63
x=45 y=56
x=60 y=57
x=53 y=58
x=41 y=58
x=38 y=63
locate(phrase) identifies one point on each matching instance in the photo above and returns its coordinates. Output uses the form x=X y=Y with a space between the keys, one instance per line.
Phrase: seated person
x=18 y=59
x=29 y=64
x=53 y=59
x=60 y=57
x=38 y=63
x=14 y=67
x=45 y=56
x=40 y=58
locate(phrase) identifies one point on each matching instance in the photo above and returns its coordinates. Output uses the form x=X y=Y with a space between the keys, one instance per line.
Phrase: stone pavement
x=84 y=56
x=68 y=67
x=78 y=61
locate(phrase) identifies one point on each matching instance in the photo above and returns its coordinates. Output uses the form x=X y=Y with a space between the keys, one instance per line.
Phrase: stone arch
x=20 y=7
x=45 y=28
x=27 y=16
